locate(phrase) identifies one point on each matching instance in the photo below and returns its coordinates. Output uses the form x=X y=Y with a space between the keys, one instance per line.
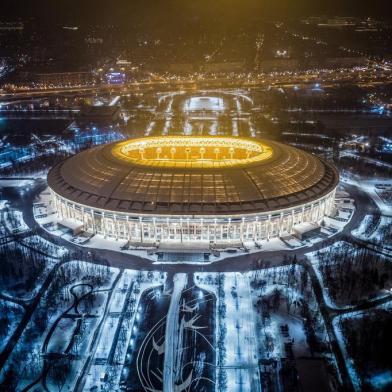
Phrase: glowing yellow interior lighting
x=192 y=151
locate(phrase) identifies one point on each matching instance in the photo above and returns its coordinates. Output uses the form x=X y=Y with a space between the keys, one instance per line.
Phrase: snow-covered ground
x=204 y=103
x=10 y=316
x=14 y=222
x=3 y=231
x=365 y=231
x=43 y=209
x=236 y=325
x=130 y=280
x=106 y=338
x=344 y=213
x=337 y=324
x=208 y=282
x=312 y=257
x=317 y=264
x=57 y=299
x=40 y=244
x=172 y=332
x=363 y=227
x=17 y=287
x=248 y=335
x=16 y=183
x=3 y=204
x=369 y=186
x=385 y=226
x=381 y=381
x=240 y=340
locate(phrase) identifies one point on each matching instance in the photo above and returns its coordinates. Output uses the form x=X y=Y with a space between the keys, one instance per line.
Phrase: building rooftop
x=188 y=175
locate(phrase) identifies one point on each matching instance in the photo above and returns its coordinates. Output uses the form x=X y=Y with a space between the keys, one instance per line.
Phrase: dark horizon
x=224 y=11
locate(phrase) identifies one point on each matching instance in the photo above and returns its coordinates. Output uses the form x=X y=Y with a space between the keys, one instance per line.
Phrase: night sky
x=125 y=11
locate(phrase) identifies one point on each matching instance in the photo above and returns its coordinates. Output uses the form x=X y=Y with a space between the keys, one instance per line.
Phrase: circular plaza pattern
x=186 y=188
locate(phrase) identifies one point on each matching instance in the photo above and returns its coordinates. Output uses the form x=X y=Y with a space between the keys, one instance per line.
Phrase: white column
x=155 y=228
x=59 y=208
x=115 y=226
x=331 y=202
x=93 y=220
x=268 y=227
x=292 y=220
x=256 y=229
x=103 y=224
x=82 y=211
x=55 y=204
x=280 y=224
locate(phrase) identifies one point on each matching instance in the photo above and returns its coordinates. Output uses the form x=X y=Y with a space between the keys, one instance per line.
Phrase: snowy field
x=25 y=281
x=10 y=316
x=204 y=103
x=235 y=330
x=253 y=310
x=14 y=222
x=363 y=228
x=123 y=311
x=78 y=283
x=42 y=245
x=15 y=183
x=349 y=274
x=370 y=187
x=380 y=379
x=314 y=258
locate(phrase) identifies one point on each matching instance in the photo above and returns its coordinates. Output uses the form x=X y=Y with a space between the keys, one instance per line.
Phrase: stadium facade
x=186 y=188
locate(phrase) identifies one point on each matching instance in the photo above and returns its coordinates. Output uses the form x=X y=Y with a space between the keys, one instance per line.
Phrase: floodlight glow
x=192 y=151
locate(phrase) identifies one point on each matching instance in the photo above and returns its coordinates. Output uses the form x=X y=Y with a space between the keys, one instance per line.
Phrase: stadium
x=180 y=189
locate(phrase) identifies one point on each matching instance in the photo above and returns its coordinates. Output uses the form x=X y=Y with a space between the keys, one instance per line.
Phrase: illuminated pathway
x=241 y=360
x=171 y=333
x=201 y=114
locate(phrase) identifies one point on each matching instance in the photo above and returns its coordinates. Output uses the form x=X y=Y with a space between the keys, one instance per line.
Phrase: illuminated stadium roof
x=188 y=175
x=192 y=152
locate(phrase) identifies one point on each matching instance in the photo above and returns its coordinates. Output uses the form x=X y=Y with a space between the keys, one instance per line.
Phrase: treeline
x=351 y=273
x=20 y=267
x=368 y=341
